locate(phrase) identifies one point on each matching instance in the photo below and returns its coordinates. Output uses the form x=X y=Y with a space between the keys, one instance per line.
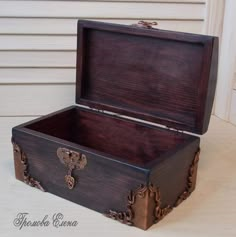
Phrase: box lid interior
x=159 y=76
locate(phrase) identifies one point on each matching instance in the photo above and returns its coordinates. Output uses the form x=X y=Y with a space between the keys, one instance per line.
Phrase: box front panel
x=100 y=184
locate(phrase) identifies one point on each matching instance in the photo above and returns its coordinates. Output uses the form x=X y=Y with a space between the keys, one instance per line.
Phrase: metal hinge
x=177 y=132
x=100 y=111
x=146 y=24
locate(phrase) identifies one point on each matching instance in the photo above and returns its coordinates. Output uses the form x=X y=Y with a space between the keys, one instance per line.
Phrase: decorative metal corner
x=143 y=198
x=22 y=172
x=191 y=181
x=148 y=197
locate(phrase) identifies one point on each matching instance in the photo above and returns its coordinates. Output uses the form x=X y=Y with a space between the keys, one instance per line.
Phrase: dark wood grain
x=102 y=184
x=135 y=142
x=131 y=171
x=121 y=155
x=171 y=176
x=156 y=75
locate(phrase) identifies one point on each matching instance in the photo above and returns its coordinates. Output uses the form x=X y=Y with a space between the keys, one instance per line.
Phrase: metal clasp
x=72 y=160
x=146 y=24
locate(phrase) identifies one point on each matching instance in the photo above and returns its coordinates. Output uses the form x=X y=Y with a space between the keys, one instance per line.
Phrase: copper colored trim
x=191 y=181
x=144 y=206
x=146 y=24
x=73 y=160
x=143 y=209
x=22 y=168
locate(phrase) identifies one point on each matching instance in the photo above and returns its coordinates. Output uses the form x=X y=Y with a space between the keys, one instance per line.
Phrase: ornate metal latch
x=146 y=24
x=72 y=160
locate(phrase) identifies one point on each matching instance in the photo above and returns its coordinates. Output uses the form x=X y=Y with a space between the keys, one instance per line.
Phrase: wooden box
x=127 y=149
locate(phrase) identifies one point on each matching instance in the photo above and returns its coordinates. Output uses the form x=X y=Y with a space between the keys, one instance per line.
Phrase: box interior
x=155 y=75
x=131 y=141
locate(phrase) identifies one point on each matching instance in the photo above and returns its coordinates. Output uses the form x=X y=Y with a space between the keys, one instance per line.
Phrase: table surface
x=210 y=211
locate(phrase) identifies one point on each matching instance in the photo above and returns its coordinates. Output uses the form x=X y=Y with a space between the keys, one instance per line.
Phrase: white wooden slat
x=234 y=83
x=78 y=9
x=37 y=59
x=214 y=17
x=227 y=61
x=175 y=25
x=232 y=118
x=34 y=99
x=20 y=42
x=172 y=1
x=36 y=75
x=68 y=26
x=6 y=125
x=55 y=42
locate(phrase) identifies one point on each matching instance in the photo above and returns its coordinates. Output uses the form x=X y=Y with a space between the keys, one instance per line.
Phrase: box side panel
x=68 y=110
x=175 y=178
x=101 y=185
x=211 y=84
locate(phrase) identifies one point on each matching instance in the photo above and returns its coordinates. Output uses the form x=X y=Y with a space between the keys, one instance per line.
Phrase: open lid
x=160 y=76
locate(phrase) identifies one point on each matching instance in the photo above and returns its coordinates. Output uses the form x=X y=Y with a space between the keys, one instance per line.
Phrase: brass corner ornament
x=22 y=168
x=144 y=206
x=191 y=181
x=140 y=203
x=73 y=160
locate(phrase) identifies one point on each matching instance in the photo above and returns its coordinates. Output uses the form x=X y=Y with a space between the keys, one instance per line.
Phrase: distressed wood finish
x=131 y=171
x=115 y=62
x=113 y=168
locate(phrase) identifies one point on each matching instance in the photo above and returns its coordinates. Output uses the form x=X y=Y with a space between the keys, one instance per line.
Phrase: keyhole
x=70 y=181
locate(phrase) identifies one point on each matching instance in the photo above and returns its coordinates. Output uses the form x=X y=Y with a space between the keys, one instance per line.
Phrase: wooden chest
x=122 y=150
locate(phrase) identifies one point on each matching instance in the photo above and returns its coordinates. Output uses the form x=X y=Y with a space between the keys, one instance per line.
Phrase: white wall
x=38 y=42
x=225 y=100
x=233 y=102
